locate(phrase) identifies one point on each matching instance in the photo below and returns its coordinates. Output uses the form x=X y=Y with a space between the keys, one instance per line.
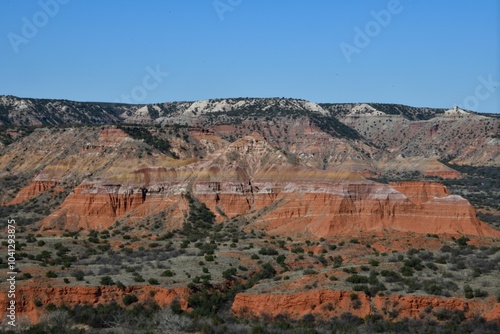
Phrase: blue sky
x=420 y=52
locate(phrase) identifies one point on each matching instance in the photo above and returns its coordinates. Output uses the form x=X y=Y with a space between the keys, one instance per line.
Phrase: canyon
x=316 y=183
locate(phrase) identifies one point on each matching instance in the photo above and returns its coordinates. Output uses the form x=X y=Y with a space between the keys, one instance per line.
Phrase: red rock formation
x=32 y=190
x=326 y=210
x=419 y=192
x=93 y=207
x=250 y=177
x=74 y=295
x=329 y=303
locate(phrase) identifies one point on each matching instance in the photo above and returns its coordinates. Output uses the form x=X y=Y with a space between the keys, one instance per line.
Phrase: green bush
x=391 y=276
x=229 y=273
x=153 y=281
x=337 y=261
x=468 y=291
x=407 y=271
x=357 y=279
x=268 y=251
x=129 y=299
x=167 y=273
x=480 y=293
x=50 y=274
x=106 y=280
x=310 y=271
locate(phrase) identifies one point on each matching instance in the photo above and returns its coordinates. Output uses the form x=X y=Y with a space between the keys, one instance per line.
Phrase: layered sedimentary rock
x=328 y=303
x=252 y=179
x=98 y=207
x=346 y=208
x=34 y=189
x=28 y=297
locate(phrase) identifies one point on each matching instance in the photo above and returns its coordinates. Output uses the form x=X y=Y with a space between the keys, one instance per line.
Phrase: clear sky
x=420 y=52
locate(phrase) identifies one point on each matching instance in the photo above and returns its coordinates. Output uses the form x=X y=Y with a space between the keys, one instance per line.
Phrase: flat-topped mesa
x=325 y=209
x=288 y=200
x=250 y=177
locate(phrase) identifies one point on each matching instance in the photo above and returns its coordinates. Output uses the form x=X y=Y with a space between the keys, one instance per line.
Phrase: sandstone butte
x=251 y=178
x=27 y=297
x=328 y=303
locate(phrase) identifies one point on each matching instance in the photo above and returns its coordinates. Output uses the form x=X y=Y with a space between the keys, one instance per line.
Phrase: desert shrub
x=462 y=241
x=431 y=266
x=480 y=293
x=443 y=314
x=280 y=259
x=153 y=281
x=176 y=307
x=129 y=299
x=446 y=249
x=229 y=273
x=167 y=273
x=50 y=274
x=414 y=263
x=468 y=291
x=268 y=251
x=310 y=271
x=337 y=261
x=442 y=259
x=107 y=280
x=406 y=271
x=357 y=279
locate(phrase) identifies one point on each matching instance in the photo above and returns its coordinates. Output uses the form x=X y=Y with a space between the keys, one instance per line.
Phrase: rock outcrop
x=27 y=298
x=251 y=178
x=34 y=189
x=328 y=303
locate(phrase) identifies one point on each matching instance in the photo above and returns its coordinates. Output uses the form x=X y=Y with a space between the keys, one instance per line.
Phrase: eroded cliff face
x=28 y=297
x=34 y=189
x=99 y=207
x=325 y=304
x=352 y=208
x=251 y=179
